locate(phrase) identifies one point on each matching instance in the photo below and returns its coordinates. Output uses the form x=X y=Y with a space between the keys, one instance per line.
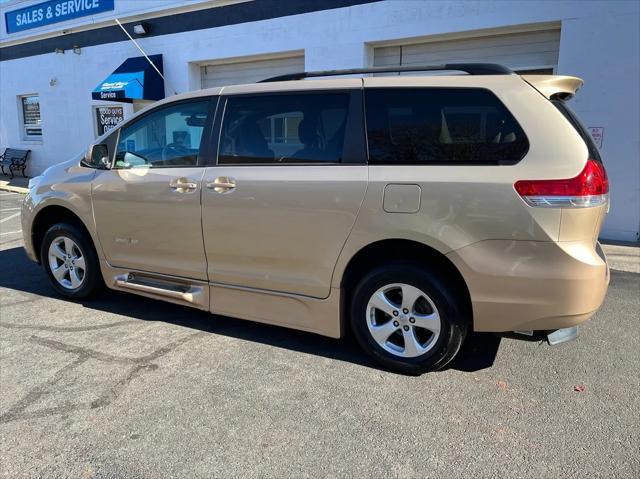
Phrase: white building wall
x=599 y=42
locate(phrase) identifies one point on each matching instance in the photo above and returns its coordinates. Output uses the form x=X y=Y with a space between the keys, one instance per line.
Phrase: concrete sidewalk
x=15 y=185
x=623 y=257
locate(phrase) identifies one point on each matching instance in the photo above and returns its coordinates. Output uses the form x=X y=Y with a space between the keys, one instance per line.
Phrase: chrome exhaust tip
x=564 y=335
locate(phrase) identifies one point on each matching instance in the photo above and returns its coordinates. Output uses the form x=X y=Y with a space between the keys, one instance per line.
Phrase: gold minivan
x=408 y=210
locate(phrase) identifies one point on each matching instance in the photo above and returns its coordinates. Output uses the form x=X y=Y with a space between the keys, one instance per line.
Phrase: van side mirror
x=98 y=157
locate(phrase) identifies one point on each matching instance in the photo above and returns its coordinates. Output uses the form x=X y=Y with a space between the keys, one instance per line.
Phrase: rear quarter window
x=572 y=118
x=441 y=126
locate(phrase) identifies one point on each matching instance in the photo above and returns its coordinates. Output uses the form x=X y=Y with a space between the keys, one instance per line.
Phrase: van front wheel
x=407 y=319
x=70 y=261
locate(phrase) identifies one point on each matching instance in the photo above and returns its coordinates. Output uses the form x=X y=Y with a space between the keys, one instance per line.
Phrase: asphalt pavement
x=127 y=387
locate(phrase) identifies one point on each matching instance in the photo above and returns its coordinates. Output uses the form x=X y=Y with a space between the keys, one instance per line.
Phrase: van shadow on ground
x=18 y=273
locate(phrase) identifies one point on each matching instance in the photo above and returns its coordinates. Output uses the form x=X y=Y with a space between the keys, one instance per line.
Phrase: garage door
x=535 y=51
x=238 y=73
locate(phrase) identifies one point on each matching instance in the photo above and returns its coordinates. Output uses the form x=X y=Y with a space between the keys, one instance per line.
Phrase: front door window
x=168 y=137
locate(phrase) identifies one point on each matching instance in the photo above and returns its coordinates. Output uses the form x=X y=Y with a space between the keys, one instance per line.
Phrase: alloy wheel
x=67 y=262
x=403 y=320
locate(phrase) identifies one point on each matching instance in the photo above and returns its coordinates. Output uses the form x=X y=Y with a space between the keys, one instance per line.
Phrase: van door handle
x=183 y=185
x=222 y=184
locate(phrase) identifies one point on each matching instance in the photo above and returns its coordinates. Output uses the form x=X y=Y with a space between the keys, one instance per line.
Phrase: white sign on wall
x=107 y=118
x=597 y=133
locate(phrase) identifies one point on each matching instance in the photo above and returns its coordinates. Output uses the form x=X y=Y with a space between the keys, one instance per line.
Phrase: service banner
x=53 y=11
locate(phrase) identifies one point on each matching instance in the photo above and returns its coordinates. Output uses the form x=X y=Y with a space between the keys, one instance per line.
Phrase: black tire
x=92 y=277
x=451 y=308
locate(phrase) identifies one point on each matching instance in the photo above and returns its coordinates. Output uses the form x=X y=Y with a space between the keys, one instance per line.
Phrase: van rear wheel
x=408 y=319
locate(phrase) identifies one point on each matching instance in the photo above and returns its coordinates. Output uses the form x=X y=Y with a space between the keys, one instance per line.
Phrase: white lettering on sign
x=116 y=85
x=597 y=133
x=53 y=11
x=108 y=117
x=75 y=6
x=61 y=9
x=35 y=15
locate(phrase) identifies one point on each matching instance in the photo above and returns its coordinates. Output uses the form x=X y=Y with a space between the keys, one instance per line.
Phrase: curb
x=14 y=189
x=623 y=258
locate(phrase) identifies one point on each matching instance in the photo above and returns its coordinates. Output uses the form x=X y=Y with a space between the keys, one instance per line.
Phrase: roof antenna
x=145 y=55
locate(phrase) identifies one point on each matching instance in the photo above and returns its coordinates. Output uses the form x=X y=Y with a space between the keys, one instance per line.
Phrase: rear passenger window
x=441 y=126
x=284 y=128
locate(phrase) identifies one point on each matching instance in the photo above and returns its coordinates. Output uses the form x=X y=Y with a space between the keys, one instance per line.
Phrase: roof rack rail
x=470 y=68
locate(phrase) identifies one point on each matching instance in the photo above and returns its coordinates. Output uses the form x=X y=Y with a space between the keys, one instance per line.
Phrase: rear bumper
x=530 y=285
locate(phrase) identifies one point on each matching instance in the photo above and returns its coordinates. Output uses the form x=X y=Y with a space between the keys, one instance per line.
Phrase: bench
x=14 y=160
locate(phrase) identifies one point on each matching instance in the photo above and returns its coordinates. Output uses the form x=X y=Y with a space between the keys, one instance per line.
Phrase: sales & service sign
x=53 y=11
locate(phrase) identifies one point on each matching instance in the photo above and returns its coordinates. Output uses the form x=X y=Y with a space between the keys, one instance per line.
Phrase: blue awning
x=135 y=79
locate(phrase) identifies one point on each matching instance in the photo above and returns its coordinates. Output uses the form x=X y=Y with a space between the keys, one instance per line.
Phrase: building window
x=31 y=122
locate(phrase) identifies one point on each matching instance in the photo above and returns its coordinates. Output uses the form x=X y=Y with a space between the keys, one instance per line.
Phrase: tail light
x=589 y=188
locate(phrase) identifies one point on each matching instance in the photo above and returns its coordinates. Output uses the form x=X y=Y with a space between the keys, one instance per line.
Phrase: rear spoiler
x=554 y=87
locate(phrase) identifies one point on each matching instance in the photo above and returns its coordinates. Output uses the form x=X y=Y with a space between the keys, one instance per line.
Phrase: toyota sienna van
x=405 y=210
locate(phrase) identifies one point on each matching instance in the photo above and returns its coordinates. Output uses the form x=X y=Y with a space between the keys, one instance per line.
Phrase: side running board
x=193 y=295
